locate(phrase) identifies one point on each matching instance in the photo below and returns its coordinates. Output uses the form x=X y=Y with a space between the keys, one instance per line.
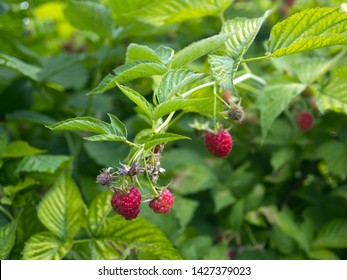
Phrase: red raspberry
x=219 y=144
x=304 y=121
x=127 y=204
x=162 y=203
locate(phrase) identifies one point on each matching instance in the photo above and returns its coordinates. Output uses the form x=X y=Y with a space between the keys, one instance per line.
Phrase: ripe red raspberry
x=162 y=203
x=219 y=144
x=304 y=120
x=127 y=204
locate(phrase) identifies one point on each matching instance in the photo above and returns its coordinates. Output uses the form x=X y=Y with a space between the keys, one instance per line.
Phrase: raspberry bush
x=159 y=130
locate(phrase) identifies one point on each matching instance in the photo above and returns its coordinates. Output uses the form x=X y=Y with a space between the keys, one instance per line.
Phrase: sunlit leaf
x=334 y=94
x=140 y=52
x=307 y=30
x=46 y=246
x=19 y=149
x=92 y=16
x=198 y=49
x=61 y=209
x=172 y=11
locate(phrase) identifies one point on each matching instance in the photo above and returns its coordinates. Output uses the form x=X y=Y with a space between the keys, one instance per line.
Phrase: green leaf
x=307 y=30
x=162 y=138
x=334 y=94
x=98 y=212
x=43 y=163
x=198 y=49
x=139 y=235
x=185 y=210
x=140 y=52
x=7 y=239
x=173 y=81
x=62 y=210
x=172 y=105
x=335 y=155
x=105 y=137
x=245 y=30
x=28 y=70
x=222 y=197
x=310 y=69
x=19 y=149
x=138 y=99
x=117 y=126
x=165 y=54
x=138 y=69
x=237 y=214
x=273 y=100
x=223 y=70
x=322 y=254
x=46 y=246
x=106 y=84
x=173 y=11
x=286 y=223
x=82 y=123
x=224 y=66
x=332 y=235
x=21 y=185
x=90 y=16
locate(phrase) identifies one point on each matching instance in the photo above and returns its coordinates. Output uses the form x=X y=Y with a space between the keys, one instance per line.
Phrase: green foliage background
x=280 y=194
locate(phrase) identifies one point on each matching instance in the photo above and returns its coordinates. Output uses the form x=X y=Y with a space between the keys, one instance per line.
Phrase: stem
x=251 y=236
x=149 y=180
x=215 y=108
x=255 y=58
x=180 y=115
x=168 y=119
x=249 y=76
x=189 y=92
x=7 y=213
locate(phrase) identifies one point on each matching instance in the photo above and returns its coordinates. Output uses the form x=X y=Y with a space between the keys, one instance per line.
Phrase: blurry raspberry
x=127 y=204
x=162 y=203
x=219 y=144
x=236 y=114
x=231 y=255
x=304 y=121
x=105 y=178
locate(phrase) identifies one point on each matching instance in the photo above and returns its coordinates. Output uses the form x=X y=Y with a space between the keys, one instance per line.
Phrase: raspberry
x=219 y=144
x=127 y=204
x=162 y=203
x=304 y=121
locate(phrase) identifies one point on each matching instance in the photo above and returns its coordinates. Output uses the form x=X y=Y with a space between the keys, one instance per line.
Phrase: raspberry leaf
x=198 y=49
x=99 y=209
x=140 y=52
x=62 y=209
x=138 y=99
x=332 y=235
x=165 y=54
x=7 y=239
x=115 y=131
x=46 y=246
x=162 y=138
x=128 y=72
x=172 y=105
x=90 y=16
x=223 y=70
x=334 y=94
x=273 y=100
x=173 y=81
x=307 y=30
x=18 y=149
x=28 y=70
x=174 y=11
